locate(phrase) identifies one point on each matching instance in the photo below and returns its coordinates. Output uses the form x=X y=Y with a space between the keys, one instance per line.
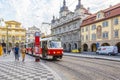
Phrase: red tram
x=49 y=49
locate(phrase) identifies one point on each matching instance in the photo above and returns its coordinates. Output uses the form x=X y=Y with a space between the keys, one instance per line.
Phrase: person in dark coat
x=16 y=52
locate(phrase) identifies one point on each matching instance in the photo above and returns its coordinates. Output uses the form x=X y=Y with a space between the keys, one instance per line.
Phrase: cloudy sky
x=34 y=12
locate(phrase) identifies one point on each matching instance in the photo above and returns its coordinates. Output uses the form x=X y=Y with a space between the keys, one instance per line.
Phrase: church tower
x=64 y=9
x=53 y=20
x=80 y=10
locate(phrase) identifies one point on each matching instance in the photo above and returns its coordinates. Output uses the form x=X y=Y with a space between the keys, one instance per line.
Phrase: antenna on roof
x=110 y=5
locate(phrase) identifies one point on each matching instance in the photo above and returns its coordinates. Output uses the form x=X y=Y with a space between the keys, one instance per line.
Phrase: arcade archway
x=85 y=47
x=69 y=47
x=64 y=46
x=118 y=45
x=93 y=47
x=75 y=45
x=105 y=44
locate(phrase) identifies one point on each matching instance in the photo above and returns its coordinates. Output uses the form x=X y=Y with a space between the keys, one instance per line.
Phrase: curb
x=94 y=57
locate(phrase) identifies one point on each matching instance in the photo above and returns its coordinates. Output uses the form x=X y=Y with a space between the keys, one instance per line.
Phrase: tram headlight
x=48 y=52
x=54 y=52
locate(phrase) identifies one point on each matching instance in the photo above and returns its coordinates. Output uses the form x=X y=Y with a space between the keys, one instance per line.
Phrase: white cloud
x=34 y=12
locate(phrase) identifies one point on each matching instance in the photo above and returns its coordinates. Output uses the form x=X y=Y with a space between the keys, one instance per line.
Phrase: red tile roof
x=108 y=13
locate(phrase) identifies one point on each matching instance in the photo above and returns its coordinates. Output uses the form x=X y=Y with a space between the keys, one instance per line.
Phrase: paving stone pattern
x=28 y=70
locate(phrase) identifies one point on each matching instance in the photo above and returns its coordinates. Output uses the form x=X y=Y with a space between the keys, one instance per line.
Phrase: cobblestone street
x=28 y=70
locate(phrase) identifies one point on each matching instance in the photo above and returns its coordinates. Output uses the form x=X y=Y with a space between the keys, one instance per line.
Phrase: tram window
x=54 y=44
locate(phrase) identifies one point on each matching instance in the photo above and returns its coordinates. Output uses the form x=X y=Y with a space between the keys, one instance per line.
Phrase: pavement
x=28 y=70
x=94 y=56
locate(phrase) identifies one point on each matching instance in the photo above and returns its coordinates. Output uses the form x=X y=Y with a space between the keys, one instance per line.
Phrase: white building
x=30 y=34
x=67 y=26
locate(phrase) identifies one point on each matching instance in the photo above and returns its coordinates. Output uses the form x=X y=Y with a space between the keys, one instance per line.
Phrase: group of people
x=16 y=50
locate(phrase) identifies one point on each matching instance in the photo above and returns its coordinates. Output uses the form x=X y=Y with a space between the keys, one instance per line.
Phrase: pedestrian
x=23 y=51
x=1 y=50
x=16 y=52
x=32 y=50
x=9 y=50
x=4 y=48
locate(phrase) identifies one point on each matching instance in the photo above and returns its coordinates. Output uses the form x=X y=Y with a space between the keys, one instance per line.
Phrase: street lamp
x=13 y=39
x=7 y=40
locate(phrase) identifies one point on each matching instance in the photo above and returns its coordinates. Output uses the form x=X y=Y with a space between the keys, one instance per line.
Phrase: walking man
x=4 y=48
x=16 y=52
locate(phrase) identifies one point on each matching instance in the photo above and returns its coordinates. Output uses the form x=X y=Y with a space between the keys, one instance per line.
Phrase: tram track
x=80 y=69
x=72 y=73
x=102 y=62
x=94 y=70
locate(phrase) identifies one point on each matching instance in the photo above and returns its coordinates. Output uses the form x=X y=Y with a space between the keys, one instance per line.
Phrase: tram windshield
x=55 y=44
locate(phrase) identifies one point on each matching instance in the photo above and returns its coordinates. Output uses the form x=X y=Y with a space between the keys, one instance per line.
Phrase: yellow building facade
x=101 y=29
x=13 y=33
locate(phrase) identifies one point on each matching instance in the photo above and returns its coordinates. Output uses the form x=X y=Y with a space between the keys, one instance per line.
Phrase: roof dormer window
x=100 y=15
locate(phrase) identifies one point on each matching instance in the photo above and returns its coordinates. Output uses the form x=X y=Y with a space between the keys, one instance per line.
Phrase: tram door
x=44 y=49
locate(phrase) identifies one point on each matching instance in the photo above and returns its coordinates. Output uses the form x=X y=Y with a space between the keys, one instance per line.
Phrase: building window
x=69 y=27
x=17 y=38
x=93 y=36
x=115 y=21
x=23 y=38
x=82 y=39
x=55 y=31
x=98 y=15
x=82 y=29
x=105 y=35
x=75 y=25
x=64 y=28
x=93 y=27
x=86 y=37
x=86 y=29
x=16 y=26
x=9 y=25
x=59 y=30
x=116 y=34
x=105 y=23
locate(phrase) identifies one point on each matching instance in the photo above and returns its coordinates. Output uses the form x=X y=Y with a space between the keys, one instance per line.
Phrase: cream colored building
x=16 y=34
x=101 y=28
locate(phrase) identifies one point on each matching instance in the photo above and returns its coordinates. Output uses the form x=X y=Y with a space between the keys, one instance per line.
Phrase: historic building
x=101 y=28
x=12 y=33
x=66 y=27
x=30 y=34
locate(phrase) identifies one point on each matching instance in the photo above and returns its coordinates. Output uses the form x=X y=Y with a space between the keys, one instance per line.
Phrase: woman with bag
x=23 y=51
x=1 y=50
